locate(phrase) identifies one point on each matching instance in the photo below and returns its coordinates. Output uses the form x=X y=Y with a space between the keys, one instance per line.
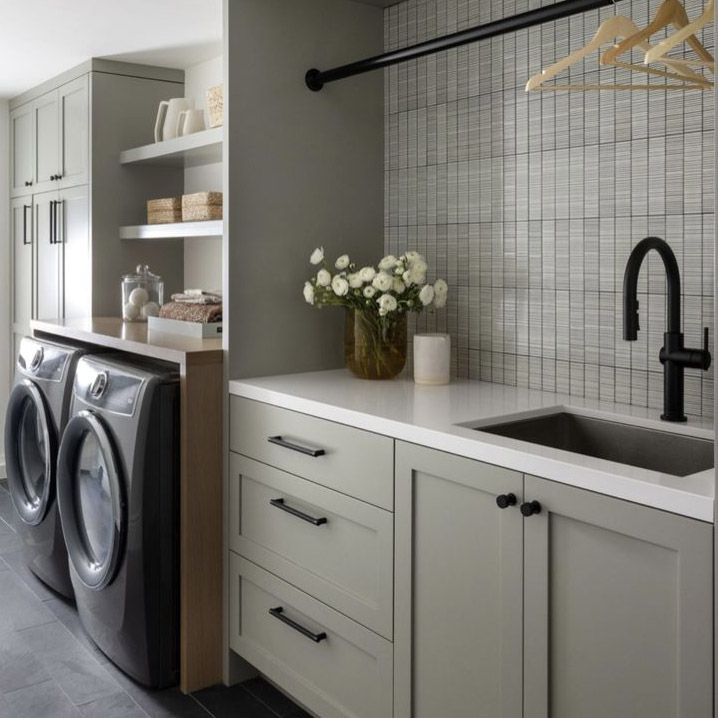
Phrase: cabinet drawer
x=346 y=674
x=355 y=462
x=345 y=561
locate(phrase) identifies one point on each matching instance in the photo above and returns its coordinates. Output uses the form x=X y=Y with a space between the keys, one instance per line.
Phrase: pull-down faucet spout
x=674 y=356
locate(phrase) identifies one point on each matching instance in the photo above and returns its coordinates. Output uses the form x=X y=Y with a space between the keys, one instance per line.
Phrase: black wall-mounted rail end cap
x=313 y=81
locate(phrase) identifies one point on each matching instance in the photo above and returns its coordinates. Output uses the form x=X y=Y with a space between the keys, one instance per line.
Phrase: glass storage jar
x=142 y=295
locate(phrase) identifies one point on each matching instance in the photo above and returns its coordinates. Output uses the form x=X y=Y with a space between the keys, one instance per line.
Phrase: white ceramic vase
x=168 y=116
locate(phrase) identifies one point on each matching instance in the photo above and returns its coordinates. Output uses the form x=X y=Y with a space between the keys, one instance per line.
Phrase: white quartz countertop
x=432 y=416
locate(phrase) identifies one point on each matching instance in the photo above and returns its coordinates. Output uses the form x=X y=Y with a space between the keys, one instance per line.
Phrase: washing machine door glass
x=93 y=499
x=30 y=452
x=90 y=498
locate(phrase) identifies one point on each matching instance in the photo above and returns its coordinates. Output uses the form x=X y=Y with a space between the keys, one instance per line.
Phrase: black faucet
x=674 y=356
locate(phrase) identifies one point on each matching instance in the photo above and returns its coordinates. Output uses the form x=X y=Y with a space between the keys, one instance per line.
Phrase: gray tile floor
x=49 y=668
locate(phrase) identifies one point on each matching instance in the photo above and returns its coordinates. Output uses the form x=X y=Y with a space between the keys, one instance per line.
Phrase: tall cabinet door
x=617 y=608
x=47 y=138
x=21 y=151
x=22 y=279
x=73 y=103
x=49 y=257
x=73 y=237
x=458 y=597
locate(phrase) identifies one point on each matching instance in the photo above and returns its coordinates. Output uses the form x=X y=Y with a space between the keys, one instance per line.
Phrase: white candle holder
x=432 y=359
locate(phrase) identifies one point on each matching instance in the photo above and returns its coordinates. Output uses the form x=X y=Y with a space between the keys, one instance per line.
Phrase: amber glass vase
x=372 y=348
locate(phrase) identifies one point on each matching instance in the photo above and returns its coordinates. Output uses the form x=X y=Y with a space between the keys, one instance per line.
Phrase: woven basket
x=164 y=211
x=215 y=106
x=201 y=206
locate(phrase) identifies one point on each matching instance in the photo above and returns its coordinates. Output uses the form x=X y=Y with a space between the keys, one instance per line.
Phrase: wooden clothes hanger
x=622 y=27
x=670 y=13
x=660 y=51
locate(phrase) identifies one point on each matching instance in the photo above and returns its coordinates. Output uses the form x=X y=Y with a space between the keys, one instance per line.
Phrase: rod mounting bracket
x=313 y=81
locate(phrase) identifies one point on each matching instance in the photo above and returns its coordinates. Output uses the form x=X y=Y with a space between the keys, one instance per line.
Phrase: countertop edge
x=637 y=491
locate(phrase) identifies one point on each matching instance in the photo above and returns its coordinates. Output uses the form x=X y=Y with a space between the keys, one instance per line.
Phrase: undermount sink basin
x=667 y=452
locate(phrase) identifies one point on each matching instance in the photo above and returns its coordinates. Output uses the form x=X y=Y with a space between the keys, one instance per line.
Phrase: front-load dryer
x=37 y=412
x=118 y=493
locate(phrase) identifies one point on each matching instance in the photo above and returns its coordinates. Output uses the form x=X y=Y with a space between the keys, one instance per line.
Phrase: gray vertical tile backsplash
x=529 y=204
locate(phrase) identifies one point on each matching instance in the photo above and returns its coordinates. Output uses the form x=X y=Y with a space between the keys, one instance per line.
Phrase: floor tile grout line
x=201 y=705
x=259 y=700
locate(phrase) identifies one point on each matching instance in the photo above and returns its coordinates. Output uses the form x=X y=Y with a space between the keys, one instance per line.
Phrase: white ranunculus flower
x=369 y=291
x=317 y=256
x=387 y=304
x=355 y=281
x=342 y=262
x=399 y=286
x=340 y=285
x=383 y=282
x=324 y=279
x=441 y=288
x=426 y=295
x=367 y=274
x=413 y=256
x=418 y=271
x=309 y=292
x=389 y=262
x=439 y=300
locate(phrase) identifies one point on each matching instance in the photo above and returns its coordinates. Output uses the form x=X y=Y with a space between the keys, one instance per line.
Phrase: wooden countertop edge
x=154 y=351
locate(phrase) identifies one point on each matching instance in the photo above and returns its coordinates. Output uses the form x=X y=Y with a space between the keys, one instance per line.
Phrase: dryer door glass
x=93 y=500
x=30 y=453
x=90 y=497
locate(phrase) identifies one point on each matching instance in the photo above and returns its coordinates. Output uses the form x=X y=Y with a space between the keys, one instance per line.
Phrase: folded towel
x=192 y=296
x=202 y=314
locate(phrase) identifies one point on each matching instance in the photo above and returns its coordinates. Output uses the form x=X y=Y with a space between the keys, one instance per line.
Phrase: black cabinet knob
x=530 y=508
x=505 y=500
x=28 y=183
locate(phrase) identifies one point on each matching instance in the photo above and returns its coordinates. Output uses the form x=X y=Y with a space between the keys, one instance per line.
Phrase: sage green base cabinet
x=618 y=608
x=457 y=634
x=311 y=558
x=592 y=607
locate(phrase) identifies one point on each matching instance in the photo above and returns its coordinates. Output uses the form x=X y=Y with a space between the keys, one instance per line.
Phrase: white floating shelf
x=179 y=230
x=198 y=148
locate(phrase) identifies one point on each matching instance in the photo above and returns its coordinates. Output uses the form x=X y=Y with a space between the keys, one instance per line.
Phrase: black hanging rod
x=316 y=79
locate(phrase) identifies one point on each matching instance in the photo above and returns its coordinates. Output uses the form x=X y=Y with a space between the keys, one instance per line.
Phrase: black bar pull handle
x=52 y=221
x=59 y=205
x=279 y=441
x=280 y=504
x=278 y=613
x=25 y=208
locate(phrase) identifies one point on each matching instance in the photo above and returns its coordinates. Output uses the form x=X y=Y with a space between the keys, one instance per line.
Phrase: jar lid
x=143 y=274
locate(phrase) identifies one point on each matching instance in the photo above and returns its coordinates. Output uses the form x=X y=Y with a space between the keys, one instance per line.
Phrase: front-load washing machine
x=37 y=412
x=118 y=493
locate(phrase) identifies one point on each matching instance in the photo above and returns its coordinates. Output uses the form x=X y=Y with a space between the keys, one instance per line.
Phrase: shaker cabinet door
x=617 y=608
x=458 y=595
x=22 y=278
x=49 y=257
x=73 y=237
x=21 y=151
x=74 y=133
x=47 y=138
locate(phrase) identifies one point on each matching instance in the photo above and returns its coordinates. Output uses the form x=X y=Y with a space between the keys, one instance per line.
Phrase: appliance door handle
x=25 y=208
x=280 y=504
x=278 y=613
x=279 y=441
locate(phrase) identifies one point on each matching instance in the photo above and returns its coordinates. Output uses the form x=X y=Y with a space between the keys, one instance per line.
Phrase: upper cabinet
x=74 y=134
x=50 y=140
x=47 y=142
x=22 y=174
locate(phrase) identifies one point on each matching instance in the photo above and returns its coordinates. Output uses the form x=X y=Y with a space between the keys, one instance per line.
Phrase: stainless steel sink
x=651 y=449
